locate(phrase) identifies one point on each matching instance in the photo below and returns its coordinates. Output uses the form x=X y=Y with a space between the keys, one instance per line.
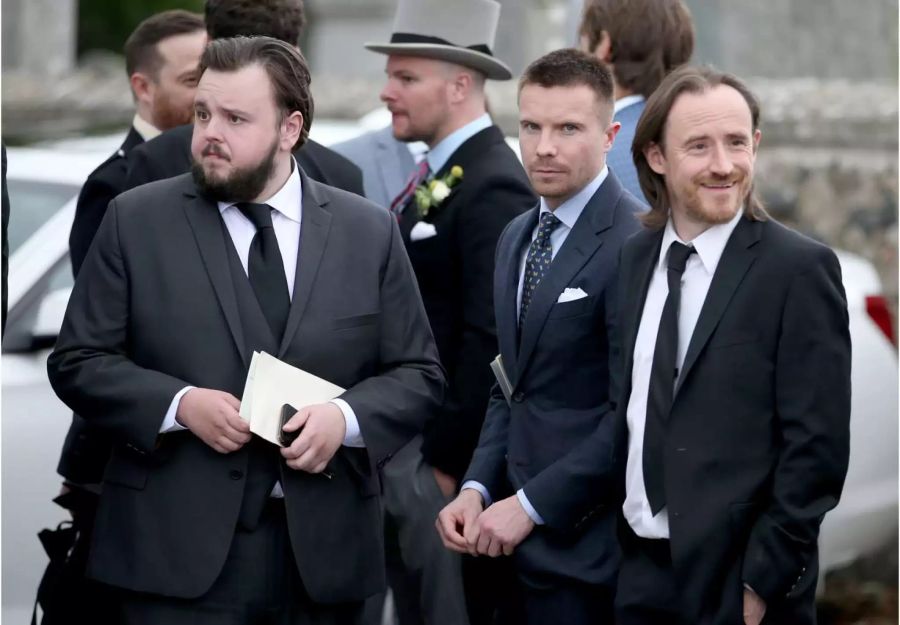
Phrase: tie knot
x=547 y=225
x=678 y=255
x=259 y=214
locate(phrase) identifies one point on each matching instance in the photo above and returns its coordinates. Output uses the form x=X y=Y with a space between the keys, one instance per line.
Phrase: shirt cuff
x=529 y=509
x=352 y=437
x=169 y=423
x=479 y=487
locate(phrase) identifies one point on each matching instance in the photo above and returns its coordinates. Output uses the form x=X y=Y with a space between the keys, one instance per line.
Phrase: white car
x=43 y=186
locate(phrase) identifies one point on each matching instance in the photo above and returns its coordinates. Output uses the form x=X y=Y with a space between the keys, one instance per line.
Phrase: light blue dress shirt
x=438 y=155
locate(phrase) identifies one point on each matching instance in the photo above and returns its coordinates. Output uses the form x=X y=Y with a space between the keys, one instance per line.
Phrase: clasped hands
x=213 y=416
x=466 y=527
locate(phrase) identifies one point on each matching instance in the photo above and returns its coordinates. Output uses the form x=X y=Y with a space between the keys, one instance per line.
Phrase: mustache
x=212 y=149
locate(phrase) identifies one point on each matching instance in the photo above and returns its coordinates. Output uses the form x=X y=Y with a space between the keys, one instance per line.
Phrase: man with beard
x=470 y=186
x=161 y=57
x=170 y=154
x=734 y=420
x=554 y=293
x=200 y=521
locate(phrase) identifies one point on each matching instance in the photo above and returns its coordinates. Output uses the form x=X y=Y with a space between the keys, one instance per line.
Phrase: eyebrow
x=199 y=102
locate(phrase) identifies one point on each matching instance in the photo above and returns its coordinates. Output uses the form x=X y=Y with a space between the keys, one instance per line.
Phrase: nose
x=546 y=147
x=387 y=94
x=721 y=164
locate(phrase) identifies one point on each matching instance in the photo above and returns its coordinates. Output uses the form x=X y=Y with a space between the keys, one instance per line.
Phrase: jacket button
x=235 y=474
x=518 y=397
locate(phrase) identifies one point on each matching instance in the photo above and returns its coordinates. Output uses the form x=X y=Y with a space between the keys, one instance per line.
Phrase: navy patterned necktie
x=265 y=268
x=538 y=261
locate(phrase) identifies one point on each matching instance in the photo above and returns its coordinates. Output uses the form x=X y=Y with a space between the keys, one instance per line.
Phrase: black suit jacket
x=169 y=155
x=454 y=270
x=757 y=439
x=155 y=310
x=104 y=183
x=555 y=439
x=85 y=452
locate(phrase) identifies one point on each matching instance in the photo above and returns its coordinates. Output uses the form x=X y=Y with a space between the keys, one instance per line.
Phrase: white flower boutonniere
x=429 y=196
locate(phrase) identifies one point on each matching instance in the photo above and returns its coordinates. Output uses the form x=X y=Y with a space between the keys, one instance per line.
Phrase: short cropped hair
x=279 y=19
x=649 y=38
x=651 y=130
x=569 y=68
x=283 y=63
x=141 y=50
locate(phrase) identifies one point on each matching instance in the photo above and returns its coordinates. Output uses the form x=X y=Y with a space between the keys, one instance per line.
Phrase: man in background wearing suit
x=170 y=154
x=386 y=163
x=439 y=57
x=200 y=521
x=554 y=294
x=161 y=58
x=734 y=420
x=642 y=41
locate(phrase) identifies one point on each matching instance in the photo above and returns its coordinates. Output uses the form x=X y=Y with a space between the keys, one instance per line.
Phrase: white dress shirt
x=698 y=275
x=144 y=128
x=286 y=218
x=568 y=213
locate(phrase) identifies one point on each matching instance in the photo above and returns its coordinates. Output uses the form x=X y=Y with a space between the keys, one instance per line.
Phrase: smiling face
x=564 y=135
x=707 y=157
x=171 y=91
x=242 y=142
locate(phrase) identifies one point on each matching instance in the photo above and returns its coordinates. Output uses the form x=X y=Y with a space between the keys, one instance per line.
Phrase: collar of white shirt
x=709 y=245
x=569 y=211
x=287 y=200
x=627 y=101
x=438 y=155
x=144 y=128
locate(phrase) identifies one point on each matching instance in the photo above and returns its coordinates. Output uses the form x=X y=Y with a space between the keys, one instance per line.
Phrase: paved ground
x=862 y=594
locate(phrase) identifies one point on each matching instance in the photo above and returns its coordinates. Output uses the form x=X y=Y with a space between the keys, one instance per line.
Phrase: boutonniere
x=430 y=195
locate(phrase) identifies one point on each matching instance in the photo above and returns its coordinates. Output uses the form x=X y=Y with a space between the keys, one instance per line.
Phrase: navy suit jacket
x=555 y=438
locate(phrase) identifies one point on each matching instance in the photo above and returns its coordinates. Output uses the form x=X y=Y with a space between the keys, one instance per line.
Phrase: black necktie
x=662 y=380
x=266 y=268
x=538 y=261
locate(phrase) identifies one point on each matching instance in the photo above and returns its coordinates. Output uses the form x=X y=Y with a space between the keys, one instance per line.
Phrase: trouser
x=646 y=592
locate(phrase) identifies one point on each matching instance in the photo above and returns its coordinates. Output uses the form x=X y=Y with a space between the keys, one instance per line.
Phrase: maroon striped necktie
x=415 y=179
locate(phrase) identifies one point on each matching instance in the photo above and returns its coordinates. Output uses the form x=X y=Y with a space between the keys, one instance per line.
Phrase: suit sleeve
x=812 y=405
x=93 y=200
x=89 y=369
x=488 y=465
x=578 y=485
x=486 y=211
x=393 y=406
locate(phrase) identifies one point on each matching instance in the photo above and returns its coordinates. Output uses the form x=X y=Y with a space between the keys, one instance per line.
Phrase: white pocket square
x=422 y=230
x=570 y=295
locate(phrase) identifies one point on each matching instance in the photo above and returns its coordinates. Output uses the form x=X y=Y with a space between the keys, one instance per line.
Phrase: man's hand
x=754 y=608
x=457 y=518
x=323 y=433
x=445 y=482
x=501 y=528
x=213 y=417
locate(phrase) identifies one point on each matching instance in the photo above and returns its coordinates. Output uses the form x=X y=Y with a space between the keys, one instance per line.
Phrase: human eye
x=202 y=115
x=528 y=126
x=569 y=129
x=235 y=119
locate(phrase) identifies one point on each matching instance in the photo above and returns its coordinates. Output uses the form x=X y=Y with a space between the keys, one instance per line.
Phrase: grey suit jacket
x=386 y=163
x=155 y=309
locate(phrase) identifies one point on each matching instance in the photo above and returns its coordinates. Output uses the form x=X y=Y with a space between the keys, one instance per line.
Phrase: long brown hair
x=651 y=130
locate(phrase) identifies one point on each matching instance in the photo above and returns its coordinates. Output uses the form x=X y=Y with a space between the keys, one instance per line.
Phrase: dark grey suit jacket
x=757 y=439
x=154 y=310
x=556 y=438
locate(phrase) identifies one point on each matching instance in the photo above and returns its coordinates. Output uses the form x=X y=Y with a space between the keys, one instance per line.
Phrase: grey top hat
x=457 y=31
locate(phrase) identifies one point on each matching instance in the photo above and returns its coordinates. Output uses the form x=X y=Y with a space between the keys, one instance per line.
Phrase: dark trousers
x=493 y=591
x=259 y=585
x=573 y=604
x=646 y=593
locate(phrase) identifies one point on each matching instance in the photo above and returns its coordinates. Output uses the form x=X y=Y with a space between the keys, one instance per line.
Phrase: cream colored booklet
x=272 y=383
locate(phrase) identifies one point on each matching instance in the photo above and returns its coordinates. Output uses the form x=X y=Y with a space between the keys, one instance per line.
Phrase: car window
x=31 y=205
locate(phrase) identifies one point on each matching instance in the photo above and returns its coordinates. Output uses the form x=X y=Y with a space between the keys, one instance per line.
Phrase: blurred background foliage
x=105 y=25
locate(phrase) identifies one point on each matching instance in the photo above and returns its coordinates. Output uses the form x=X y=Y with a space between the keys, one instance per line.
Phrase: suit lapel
x=736 y=260
x=206 y=223
x=315 y=223
x=582 y=243
x=646 y=255
x=507 y=288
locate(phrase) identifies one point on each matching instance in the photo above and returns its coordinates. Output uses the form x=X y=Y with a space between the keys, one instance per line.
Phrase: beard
x=715 y=211
x=242 y=185
x=166 y=115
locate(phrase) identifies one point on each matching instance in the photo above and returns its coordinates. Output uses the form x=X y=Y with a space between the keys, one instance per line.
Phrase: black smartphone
x=286 y=438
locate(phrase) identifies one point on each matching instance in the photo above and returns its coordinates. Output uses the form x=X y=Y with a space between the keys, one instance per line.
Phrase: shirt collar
x=709 y=245
x=144 y=128
x=438 y=155
x=287 y=200
x=569 y=211
x=627 y=101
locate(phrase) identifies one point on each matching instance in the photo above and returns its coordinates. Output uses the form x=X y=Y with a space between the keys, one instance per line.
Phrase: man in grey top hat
x=451 y=213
